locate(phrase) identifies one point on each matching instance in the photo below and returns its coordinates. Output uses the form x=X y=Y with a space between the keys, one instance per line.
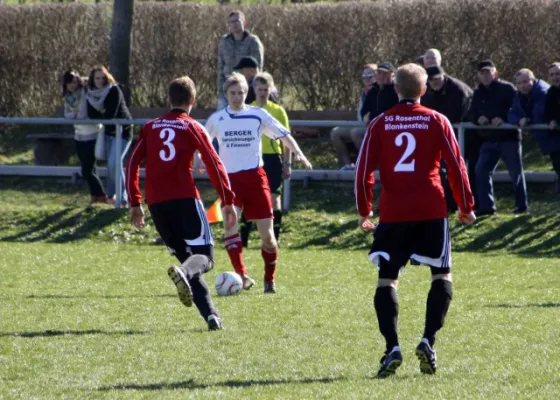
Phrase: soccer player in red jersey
x=407 y=143
x=239 y=128
x=168 y=144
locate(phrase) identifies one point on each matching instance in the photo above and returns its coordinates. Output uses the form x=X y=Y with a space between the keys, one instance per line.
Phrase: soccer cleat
x=183 y=287
x=427 y=357
x=269 y=287
x=389 y=364
x=248 y=282
x=214 y=323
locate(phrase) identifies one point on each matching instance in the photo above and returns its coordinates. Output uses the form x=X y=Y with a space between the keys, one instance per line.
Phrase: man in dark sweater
x=552 y=117
x=492 y=100
x=452 y=98
x=382 y=95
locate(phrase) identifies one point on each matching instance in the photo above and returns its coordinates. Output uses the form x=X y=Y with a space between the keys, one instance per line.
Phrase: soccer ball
x=228 y=284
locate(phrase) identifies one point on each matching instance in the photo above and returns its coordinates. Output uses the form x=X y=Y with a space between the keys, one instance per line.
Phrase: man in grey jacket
x=237 y=44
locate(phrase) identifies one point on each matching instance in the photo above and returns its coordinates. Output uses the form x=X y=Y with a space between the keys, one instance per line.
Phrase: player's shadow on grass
x=65 y=225
x=54 y=333
x=192 y=385
x=529 y=305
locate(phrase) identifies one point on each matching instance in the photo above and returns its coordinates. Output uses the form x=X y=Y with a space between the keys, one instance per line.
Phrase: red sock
x=270 y=261
x=234 y=248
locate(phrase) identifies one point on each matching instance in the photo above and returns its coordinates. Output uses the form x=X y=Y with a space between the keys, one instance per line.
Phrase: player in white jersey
x=238 y=129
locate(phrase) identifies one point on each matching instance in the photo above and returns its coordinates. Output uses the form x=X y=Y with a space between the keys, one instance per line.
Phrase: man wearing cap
x=382 y=95
x=432 y=58
x=234 y=46
x=492 y=100
x=452 y=98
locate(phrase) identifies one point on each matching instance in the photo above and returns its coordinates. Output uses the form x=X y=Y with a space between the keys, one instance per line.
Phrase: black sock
x=387 y=309
x=201 y=297
x=437 y=305
x=277 y=224
x=244 y=230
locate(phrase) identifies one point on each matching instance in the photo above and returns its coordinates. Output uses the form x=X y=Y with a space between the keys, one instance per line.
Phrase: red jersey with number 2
x=168 y=145
x=407 y=144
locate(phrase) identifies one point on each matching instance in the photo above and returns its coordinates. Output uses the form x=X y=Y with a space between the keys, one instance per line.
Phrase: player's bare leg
x=437 y=306
x=269 y=253
x=234 y=248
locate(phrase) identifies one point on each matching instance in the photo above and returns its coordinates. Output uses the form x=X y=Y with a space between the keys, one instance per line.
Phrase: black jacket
x=379 y=100
x=552 y=105
x=494 y=101
x=114 y=108
x=453 y=100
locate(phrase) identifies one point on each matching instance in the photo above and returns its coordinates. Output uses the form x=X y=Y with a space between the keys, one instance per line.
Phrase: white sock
x=395 y=348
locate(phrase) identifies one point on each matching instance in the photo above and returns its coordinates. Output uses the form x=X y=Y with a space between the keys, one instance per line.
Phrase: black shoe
x=389 y=364
x=427 y=357
x=183 y=287
x=520 y=210
x=214 y=323
x=483 y=213
x=269 y=287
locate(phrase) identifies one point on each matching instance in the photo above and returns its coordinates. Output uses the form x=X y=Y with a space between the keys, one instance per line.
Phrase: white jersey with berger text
x=239 y=136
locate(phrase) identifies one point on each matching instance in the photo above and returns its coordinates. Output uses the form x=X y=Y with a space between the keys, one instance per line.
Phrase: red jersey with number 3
x=407 y=144
x=168 y=145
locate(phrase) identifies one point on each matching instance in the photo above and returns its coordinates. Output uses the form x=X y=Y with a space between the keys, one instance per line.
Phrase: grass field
x=87 y=310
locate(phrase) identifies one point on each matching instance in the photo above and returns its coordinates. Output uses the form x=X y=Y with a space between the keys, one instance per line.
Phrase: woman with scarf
x=73 y=92
x=105 y=100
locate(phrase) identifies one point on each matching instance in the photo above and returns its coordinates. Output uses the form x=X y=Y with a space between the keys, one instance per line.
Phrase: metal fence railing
x=331 y=175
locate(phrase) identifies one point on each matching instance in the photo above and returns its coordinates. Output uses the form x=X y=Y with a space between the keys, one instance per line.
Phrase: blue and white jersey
x=239 y=136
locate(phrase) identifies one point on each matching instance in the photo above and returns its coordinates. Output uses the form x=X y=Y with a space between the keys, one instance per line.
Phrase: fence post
x=118 y=166
x=462 y=139
x=287 y=193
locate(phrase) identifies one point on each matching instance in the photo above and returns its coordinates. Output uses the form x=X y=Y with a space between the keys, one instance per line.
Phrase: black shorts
x=273 y=168
x=425 y=242
x=183 y=226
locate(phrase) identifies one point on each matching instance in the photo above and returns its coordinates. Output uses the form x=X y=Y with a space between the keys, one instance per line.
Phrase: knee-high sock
x=270 y=260
x=277 y=223
x=201 y=297
x=437 y=306
x=387 y=309
x=234 y=248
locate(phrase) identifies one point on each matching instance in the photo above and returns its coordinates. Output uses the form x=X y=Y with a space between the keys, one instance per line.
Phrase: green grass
x=87 y=310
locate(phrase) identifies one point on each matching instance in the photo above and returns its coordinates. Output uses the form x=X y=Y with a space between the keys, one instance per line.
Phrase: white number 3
x=167 y=135
x=403 y=166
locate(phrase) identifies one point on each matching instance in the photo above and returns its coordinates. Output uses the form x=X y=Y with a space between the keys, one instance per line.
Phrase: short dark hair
x=68 y=77
x=109 y=79
x=182 y=91
x=239 y=14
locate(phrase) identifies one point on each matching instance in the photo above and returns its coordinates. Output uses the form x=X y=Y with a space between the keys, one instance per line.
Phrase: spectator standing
x=432 y=58
x=73 y=92
x=552 y=117
x=105 y=100
x=492 y=100
x=340 y=135
x=382 y=95
x=234 y=46
x=249 y=68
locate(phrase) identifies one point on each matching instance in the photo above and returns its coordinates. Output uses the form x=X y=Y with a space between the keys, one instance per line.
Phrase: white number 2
x=167 y=135
x=403 y=166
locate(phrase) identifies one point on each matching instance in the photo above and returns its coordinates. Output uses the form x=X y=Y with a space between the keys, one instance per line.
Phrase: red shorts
x=252 y=193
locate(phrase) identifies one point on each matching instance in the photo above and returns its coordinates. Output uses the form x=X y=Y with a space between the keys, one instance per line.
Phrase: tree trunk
x=121 y=38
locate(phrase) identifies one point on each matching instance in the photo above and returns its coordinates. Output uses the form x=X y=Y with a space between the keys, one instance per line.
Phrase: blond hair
x=411 y=81
x=525 y=71
x=263 y=78
x=236 y=79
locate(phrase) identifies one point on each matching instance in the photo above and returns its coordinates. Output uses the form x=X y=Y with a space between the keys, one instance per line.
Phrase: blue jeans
x=490 y=154
x=112 y=159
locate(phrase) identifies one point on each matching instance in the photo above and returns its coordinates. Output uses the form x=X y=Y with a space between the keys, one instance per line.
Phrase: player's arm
x=287 y=162
x=133 y=181
x=458 y=177
x=274 y=129
x=368 y=159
